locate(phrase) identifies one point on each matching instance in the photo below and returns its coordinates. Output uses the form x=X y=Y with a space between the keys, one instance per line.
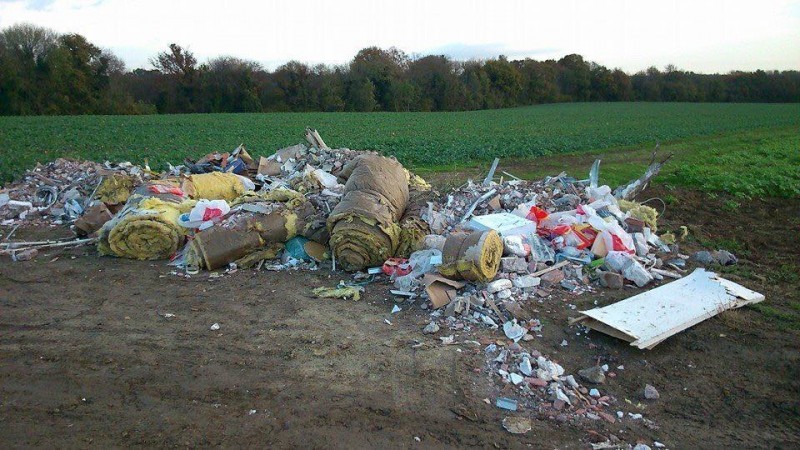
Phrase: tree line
x=42 y=72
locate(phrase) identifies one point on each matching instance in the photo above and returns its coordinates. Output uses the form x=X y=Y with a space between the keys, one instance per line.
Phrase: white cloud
x=701 y=35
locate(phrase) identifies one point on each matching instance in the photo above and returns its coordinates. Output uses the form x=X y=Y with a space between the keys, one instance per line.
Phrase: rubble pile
x=545 y=388
x=58 y=192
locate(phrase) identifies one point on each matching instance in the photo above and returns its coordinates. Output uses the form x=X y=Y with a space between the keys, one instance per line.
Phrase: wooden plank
x=550 y=269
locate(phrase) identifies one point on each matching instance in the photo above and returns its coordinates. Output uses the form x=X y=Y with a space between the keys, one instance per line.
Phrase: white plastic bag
x=623 y=263
x=205 y=214
x=516 y=245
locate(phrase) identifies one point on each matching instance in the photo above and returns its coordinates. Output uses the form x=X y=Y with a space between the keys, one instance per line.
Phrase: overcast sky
x=698 y=35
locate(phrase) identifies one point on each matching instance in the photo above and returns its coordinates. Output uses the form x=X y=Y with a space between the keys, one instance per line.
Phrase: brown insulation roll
x=472 y=256
x=216 y=247
x=364 y=224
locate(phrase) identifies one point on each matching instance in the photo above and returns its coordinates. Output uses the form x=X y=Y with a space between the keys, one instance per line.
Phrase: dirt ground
x=88 y=356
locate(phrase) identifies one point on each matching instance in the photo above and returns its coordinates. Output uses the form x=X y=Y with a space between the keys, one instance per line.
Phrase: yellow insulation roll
x=146 y=229
x=216 y=247
x=214 y=186
x=115 y=189
x=360 y=243
x=472 y=256
x=413 y=228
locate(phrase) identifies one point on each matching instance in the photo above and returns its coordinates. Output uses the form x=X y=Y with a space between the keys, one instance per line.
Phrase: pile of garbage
x=473 y=257
x=482 y=249
x=229 y=208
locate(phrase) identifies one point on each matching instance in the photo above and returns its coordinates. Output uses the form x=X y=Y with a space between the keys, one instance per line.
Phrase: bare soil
x=89 y=358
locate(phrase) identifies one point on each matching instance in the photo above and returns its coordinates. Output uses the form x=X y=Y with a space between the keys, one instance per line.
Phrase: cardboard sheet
x=441 y=290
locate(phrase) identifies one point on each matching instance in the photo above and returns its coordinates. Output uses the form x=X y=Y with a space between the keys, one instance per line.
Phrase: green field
x=753 y=163
x=434 y=141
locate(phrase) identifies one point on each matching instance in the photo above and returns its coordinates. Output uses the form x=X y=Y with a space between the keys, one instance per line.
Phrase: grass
x=420 y=140
x=783 y=320
x=753 y=163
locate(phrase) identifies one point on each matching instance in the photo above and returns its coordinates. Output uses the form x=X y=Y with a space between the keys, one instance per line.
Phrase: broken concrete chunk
x=724 y=258
x=637 y=273
x=93 y=219
x=431 y=328
x=640 y=244
x=526 y=282
x=541 y=251
x=513 y=331
x=516 y=310
x=634 y=225
x=517 y=424
x=25 y=255
x=548 y=370
x=570 y=379
x=515 y=245
x=504 y=294
x=593 y=375
x=625 y=264
x=552 y=277
x=611 y=280
x=703 y=257
x=268 y=167
x=525 y=366
x=513 y=264
x=651 y=393
x=498 y=285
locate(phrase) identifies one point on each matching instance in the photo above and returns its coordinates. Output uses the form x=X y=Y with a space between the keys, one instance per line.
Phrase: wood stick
x=11 y=233
x=50 y=245
x=550 y=269
x=33 y=243
x=634 y=187
x=666 y=273
x=512 y=176
x=319 y=140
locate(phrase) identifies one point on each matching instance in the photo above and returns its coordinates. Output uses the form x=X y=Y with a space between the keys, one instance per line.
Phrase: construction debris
x=482 y=255
x=647 y=319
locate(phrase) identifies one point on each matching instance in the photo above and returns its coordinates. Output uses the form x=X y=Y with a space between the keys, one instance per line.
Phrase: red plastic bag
x=585 y=234
x=397 y=266
x=536 y=214
x=161 y=189
x=212 y=213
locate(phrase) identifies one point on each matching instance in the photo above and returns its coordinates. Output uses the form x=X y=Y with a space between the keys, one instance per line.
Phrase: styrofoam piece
x=505 y=224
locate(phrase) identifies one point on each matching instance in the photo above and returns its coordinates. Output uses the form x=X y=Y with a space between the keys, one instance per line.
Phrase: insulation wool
x=214 y=186
x=364 y=225
x=472 y=256
x=413 y=228
x=646 y=214
x=147 y=226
